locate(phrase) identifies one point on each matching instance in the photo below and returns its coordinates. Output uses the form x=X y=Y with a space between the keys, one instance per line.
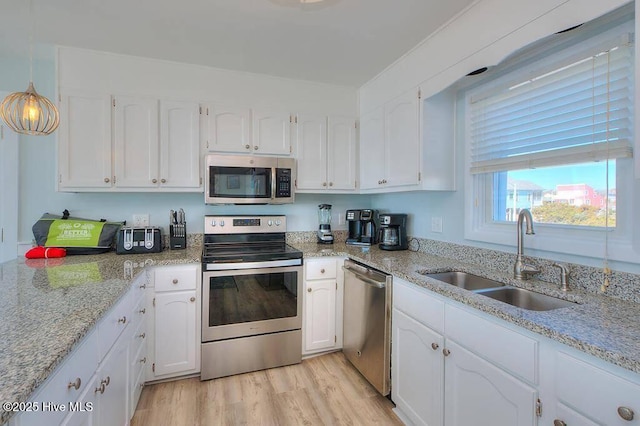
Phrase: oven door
x=247 y=302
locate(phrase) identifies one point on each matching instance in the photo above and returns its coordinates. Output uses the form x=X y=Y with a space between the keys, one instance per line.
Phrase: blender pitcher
x=324 y=231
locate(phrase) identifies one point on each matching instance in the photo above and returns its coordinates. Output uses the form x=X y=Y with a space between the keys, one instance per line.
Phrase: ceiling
x=345 y=42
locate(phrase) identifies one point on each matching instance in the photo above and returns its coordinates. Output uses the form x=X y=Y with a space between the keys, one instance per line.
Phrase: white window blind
x=578 y=112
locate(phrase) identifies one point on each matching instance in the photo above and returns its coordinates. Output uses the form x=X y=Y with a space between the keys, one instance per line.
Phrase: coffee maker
x=362 y=227
x=393 y=231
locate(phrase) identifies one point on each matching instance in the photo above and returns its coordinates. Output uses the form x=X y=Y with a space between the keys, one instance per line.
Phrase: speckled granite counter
x=605 y=327
x=41 y=319
x=47 y=306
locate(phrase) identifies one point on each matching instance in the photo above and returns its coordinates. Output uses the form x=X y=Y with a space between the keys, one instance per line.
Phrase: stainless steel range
x=251 y=283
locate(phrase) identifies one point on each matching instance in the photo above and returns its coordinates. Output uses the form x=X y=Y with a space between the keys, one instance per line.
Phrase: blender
x=324 y=231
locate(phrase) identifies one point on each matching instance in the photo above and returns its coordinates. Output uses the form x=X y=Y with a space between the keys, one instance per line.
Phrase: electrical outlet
x=140 y=220
x=340 y=218
x=436 y=224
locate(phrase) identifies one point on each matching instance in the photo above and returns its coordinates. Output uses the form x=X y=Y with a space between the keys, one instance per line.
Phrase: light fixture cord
x=33 y=29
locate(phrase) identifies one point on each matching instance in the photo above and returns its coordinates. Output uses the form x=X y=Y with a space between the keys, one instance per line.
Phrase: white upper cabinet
x=325 y=153
x=390 y=145
x=341 y=153
x=84 y=140
x=311 y=152
x=372 y=149
x=228 y=128
x=402 y=142
x=271 y=132
x=179 y=144
x=136 y=142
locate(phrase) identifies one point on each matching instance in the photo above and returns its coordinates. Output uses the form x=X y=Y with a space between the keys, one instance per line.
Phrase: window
x=554 y=135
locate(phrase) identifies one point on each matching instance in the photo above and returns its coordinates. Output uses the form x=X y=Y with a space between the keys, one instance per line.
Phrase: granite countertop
x=598 y=325
x=48 y=305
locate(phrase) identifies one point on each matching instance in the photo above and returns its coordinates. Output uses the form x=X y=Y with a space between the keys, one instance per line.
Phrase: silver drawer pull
x=193 y=299
x=100 y=389
x=142 y=336
x=446 y=352
x=175 y=281
x=106 y=381
x=435 y=346
x=122 y=320
x=142 y=311
x=322 y=271
x=626 y=413
x=143 y=286
x=76 y=384
x=144 y=360
x=557 y=422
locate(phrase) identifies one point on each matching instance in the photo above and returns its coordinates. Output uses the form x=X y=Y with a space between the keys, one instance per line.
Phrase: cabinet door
x=320 y=315
x=113 y=374
x=179 y=145
x=479 y=393
x=402 y=143
x=311 y=152
x=417 y=370
x=271 y=132
x=83 y=412
x=175 y=332
x=372 y=149
x=228 y=129
x=341 y=153
x=84 y=140
x=136 y=142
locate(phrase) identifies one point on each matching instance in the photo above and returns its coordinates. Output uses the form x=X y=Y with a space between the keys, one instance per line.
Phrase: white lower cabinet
x=417 y=370
x=93 y=385
x=437 y=381
x=480 y=393
x=174 y=344
x=322 y=302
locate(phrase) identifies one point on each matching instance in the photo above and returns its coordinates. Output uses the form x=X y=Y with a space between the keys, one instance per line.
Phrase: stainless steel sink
x=464 y=280
x=526 y=299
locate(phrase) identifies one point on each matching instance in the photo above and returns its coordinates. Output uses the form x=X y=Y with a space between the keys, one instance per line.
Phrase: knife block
x=178 y=236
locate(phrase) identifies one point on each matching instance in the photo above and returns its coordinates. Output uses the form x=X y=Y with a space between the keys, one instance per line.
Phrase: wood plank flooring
x=325 y=390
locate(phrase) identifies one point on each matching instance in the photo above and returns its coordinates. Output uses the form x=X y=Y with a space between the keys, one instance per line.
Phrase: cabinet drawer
x=176 y=278
x=418 y=305
x=77 y=369
x=318 y=269
x=113 y=324
x=137 y=338
x=138 y=361
x=575 y=377
x=139 y=286
x=139 y=313
x=508 y=349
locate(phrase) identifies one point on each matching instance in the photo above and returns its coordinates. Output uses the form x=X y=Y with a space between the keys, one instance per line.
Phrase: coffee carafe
x=362 y=227
x=324 y=230
x=393 y=231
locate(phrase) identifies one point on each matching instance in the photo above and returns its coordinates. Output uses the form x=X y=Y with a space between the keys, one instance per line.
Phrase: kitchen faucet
x=521 y=270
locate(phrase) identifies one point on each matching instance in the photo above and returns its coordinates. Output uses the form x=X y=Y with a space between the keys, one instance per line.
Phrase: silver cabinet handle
x=446 y=352
x=322 y=271
x=163 y=181
x=330 y=183
x=435 y=346
x=100 y=389
x=142 y=311
x=175 y=281
x=247 y=146
x=76 y=384
x=122 y=320
x=309 y=290
x=193 y=299
x=154 y=180
x=143 y=286
x=142 y=336
x=324 y=183
x=107 y=180
x=106 y=381
x=557 y=422
x=144 y=360
x=625 y=413
x=255 y=148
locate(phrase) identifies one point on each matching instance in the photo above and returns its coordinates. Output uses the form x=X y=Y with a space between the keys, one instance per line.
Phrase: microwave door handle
x=274 y=171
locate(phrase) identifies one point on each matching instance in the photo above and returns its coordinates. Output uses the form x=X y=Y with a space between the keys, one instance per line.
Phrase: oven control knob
x=222 y=223
x=270 y=223
x=213 y=223
x=278 y=222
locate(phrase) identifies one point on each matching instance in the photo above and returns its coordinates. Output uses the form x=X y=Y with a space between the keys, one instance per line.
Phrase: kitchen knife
x=181 y=217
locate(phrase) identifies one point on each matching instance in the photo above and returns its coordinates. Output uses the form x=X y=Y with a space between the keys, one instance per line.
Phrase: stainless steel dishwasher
x=367 y=323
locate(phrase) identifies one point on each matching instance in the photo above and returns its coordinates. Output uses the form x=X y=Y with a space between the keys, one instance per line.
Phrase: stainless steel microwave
x=244 y=179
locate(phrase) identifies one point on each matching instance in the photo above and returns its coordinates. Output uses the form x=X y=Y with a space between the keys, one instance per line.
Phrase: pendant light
x=28 y=112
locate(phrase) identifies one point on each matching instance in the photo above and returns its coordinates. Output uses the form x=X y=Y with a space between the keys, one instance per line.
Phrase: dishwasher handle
x=365 y=279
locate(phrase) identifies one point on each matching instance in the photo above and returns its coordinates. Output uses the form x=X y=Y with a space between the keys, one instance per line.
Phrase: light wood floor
x=324 y=390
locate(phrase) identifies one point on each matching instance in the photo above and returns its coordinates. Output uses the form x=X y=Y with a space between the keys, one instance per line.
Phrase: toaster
x=139 y=240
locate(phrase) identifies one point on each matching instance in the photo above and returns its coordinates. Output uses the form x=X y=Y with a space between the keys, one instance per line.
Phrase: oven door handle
x=252 y=265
